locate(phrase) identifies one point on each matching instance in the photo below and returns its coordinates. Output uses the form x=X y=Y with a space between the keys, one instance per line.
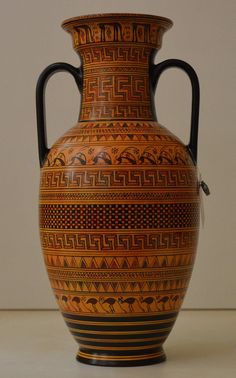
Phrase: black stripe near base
x=120 y=337
x=123 y=363
x=121 y=353
x=123 y=327
x=121 y=319
x=119 y=344
x=128 y=360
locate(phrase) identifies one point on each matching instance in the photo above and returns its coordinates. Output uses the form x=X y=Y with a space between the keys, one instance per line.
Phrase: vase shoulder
x=119 y=143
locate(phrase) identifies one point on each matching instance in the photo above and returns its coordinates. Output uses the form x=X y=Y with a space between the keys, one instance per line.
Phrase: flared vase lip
x=164 y=21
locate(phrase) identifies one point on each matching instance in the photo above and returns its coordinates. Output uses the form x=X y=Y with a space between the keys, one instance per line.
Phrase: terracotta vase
x=119 y=195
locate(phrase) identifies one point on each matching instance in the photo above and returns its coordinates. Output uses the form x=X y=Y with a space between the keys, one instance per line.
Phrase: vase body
x=119 y=201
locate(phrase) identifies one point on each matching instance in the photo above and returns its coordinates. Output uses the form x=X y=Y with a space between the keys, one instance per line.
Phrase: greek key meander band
x=116 y=95
x=114 y=56
x=112 y=93
x=114 y=178
x=158 y=241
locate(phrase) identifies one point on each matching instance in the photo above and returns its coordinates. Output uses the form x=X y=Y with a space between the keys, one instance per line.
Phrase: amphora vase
x=119 y=195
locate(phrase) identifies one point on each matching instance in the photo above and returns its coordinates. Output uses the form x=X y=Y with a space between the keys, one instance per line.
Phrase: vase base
x=121 y=360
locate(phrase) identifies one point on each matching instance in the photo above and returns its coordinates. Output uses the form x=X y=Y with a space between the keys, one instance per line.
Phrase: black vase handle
x=156 y=71
x=40 y=106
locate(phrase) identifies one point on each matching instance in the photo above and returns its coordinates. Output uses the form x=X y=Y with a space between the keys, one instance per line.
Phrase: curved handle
x=40 y=106
x=155 y=73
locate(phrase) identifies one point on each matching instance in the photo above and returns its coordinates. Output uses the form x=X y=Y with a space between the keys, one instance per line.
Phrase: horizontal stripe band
x=121 y=354
x=114 y=324
x=104 y=337
x=105 y=333
x=114 y=339
x=121 y=327
x=119 y=349
x=117 y=359
x=124 y=344
x=120 y=318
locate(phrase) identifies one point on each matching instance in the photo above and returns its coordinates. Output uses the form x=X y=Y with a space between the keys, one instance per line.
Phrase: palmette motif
x=119 y=201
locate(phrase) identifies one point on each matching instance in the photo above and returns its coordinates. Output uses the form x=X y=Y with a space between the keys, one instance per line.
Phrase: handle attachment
x=156 y=71
x=40 y=105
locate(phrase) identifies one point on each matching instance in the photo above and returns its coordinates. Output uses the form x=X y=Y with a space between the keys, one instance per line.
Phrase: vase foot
x=116 y=360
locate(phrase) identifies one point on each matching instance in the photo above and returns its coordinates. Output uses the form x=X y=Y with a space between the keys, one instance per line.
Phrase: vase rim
x=166 y=22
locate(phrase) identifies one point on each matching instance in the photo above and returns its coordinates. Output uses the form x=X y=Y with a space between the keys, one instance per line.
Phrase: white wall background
x=31 y=38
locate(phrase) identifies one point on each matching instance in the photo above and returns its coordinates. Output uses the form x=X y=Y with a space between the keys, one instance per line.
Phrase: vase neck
x=116 y=51
x=116 y=83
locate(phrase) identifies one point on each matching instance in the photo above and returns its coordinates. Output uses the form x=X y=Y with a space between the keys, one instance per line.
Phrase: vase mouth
x=163 y=21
